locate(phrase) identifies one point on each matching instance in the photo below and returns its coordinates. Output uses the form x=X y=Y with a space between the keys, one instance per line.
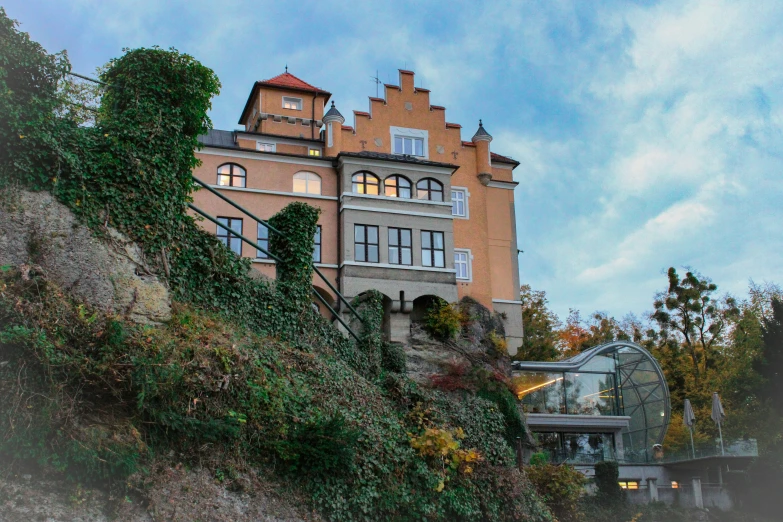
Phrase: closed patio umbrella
x=717 y=416
x=688 y=418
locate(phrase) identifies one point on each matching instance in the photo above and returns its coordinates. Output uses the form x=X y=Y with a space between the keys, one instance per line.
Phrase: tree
x=771 y=366
x=688 y=313
x=541 y=325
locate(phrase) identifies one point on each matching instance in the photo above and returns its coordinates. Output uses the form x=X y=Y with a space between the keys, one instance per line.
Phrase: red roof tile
x=372 y=98
x=404 y=71
x=391 y=86
x=437 y=107
x=468 y=144
x=453 y=125
x=420 y=89
x=503 y=159
x=288 y=80
x=347 y=127
x=362 y=113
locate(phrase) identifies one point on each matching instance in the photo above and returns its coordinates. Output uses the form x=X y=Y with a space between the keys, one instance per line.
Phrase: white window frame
x=266 y=147
x=292 y=101
x=308 y=177
x=466 y=195
x=317 y=154
x=469 y=261
x=404 y=132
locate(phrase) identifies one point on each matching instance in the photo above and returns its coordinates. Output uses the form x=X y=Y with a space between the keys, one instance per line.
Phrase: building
x=408 y=207
x=611 y=402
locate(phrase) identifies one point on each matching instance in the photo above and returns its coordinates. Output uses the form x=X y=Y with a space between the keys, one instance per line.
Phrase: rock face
x=426 y=356
x=110 y=274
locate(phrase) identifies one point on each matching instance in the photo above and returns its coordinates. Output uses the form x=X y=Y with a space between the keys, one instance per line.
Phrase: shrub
x=606 y=480
x=443 y=320
x=393 y=357
x=561 y=487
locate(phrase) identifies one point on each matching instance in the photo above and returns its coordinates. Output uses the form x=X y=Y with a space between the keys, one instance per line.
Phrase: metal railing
x=273 y=230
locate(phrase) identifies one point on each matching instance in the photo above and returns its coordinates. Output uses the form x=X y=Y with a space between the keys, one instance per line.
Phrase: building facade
x=408 y=207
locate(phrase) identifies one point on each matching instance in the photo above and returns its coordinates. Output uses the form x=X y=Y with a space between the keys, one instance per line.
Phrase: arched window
x=307 y=183
x=231 y=175
x=430 y=189
x=365 y=183
x=396 y=186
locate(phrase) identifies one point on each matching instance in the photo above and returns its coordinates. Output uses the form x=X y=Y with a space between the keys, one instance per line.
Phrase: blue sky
x=649 y=133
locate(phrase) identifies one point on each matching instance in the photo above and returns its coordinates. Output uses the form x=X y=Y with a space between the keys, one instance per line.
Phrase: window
x=400 y=247
x=265 y=147
x=365 y=239
x=317 y=245
x=408 y=145
x=432 y=251
x=231 y=175
x=365 y=183
x=314 y=152
x=675 y=484
x=629 y=484
x=292 y=103
x=397 y=187
x=263 y=241
x=225 y=236
x=429 y=189
x=459 y=202
x=307 y=183
x=462 y=264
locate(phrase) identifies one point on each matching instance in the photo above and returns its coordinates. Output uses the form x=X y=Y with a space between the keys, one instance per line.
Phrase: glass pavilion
x=578 y=406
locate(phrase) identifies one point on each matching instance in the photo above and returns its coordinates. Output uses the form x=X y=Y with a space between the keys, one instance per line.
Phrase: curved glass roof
x=641 y=388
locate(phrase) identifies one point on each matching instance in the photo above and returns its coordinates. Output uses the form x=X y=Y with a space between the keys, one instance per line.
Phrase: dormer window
x=292 y=103
x=409 y=146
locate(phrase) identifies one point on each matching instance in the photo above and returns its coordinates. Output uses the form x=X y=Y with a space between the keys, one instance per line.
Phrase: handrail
x=273 y=229
x=257 y=246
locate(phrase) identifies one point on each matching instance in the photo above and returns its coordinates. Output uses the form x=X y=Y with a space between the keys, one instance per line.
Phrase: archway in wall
x=324 y=311
x=421 y=306
x=386 y=321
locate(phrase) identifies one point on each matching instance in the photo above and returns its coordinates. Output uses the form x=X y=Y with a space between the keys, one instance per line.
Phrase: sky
x=648 y=133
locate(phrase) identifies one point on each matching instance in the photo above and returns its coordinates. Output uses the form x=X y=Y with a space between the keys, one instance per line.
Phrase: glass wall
x=583 y=393
x=576 y=447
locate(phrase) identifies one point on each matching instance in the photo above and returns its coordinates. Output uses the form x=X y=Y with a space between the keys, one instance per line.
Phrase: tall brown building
x=407 y=207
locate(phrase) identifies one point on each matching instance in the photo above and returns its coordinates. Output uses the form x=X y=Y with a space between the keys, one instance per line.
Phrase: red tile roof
x=391 y=86
x=405 y=71
x=362 y=113
x=468 y=144
x=437 y=107
x=372 y=98
x=289 y=81
x=453 y=125
x=347 y=127
x=502 y=159
x=421 y=89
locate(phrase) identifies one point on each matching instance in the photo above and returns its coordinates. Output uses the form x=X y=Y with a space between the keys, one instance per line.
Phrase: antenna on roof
x=286 y=67
x=377 y=84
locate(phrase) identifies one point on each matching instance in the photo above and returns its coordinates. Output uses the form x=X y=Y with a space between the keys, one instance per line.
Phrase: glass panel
x=224 y=169
x=590 y=393
x=358 y=233
x=437 y=237
x=317 y=253
x=314 y=186
x=426 y=257
x=372 y=253
x=372 y=189
x=406 y=256
x=394 y=255
x=236 y=225
x=223 y=181
x=393 y=239
x=426 y=240
x=372 y=235
x=599 y=363
x=406 y=237
x=539 y=392
x=437 y=193
x=419 y=147
x=397 y=145
x=407 y=146
x=359 y=253
x=300 y=185
x=405 y=192
x=439 y=259
x=239 y=181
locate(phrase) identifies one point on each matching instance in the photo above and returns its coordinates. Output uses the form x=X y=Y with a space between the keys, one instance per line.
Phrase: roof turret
x=333 y=115
x=481 y=134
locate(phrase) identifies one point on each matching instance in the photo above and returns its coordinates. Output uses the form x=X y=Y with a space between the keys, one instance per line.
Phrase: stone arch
x=421 y=304
x=386 y=321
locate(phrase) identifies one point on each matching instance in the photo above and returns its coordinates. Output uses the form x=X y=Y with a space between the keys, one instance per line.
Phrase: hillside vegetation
x=245 y=377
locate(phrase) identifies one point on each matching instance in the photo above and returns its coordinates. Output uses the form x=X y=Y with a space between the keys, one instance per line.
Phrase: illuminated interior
x=619 y=378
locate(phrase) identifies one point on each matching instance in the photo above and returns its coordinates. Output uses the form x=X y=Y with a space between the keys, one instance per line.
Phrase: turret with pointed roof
x=481 y=134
